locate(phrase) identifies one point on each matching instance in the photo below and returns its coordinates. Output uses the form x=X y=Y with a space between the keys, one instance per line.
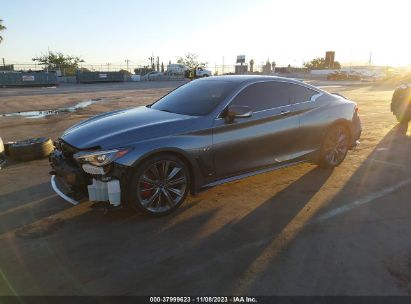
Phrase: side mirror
x=234 y=112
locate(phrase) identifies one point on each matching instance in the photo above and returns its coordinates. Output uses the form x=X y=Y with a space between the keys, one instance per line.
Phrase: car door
x=263 y=139
x=304 y=100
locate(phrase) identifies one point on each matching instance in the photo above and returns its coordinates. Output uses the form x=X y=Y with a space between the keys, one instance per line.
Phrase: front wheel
x=159 y=185
x=335 y=146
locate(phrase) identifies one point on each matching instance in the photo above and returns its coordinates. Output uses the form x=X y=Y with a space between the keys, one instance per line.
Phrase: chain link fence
x=108 y=67
x=68 y=73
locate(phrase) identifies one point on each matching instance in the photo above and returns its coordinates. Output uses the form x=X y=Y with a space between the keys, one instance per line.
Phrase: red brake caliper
x=148 y=193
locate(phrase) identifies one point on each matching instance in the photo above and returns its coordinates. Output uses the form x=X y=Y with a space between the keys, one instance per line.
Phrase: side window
x=263 y=96
x=300 y=94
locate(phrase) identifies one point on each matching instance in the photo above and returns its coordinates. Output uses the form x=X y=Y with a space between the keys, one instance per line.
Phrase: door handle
x=284 y=112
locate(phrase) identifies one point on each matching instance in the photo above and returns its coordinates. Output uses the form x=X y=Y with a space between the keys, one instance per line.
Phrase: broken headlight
x=99 y=158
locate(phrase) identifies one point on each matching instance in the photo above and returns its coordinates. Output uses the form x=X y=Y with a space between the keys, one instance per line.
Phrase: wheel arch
x=183 y=156
x=341 y=121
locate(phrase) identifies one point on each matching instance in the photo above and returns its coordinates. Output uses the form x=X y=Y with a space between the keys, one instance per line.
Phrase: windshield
x=196 y=98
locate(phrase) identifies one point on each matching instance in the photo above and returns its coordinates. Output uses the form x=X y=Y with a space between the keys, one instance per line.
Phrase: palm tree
x=2 y=28
x=273 y=65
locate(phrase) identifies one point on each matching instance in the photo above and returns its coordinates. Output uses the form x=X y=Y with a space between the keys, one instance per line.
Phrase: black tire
x=335 y=146
x=404 y=119
x=6 y=148
x=29 y=149
x=157 y=196
x=2 y=160
x=400 y=101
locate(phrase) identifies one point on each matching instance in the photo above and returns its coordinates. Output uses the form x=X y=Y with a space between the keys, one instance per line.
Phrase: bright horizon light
x=288 y=32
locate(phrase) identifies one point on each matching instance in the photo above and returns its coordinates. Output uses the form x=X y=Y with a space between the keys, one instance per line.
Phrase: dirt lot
x=299 y=230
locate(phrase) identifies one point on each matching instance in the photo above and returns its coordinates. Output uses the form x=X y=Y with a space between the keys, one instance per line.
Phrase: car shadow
x=24 y=196
x=231 y=250
x=28 y=205
x=388 y=165
x=179 y=255
x=390 y=159
x=201 y=250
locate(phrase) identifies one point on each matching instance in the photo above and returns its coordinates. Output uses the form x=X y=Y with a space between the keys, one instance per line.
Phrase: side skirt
x=248 y=174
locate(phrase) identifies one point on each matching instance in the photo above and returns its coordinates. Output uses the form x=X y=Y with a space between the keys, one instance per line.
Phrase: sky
x=288 y=32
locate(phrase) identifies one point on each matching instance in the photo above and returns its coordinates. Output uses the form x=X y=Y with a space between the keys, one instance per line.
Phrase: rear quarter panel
x=315 y=122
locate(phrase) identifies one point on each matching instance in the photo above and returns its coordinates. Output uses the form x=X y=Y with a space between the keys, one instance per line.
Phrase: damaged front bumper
x=57 y=187
x=76 y=184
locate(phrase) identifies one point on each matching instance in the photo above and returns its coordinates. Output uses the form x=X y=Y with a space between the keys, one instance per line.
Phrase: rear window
x=299 y=93
x=196 y=98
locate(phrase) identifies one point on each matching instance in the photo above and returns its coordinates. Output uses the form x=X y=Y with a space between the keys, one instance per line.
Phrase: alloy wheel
x=162 y=186
x=336 y=145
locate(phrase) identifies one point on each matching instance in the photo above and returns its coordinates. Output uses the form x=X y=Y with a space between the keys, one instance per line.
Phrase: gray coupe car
x=204 y=133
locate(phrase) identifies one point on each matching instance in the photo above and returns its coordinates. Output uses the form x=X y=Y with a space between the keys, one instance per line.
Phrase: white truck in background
x=180 y=69
x=176 y=69
x=200 y=72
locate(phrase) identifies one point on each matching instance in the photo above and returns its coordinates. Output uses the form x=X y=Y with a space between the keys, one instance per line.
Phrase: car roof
x=248 y=78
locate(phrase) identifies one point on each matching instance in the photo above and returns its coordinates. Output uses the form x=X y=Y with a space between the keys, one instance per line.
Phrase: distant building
x=329 y=59
x=8 y=67
x=241 y=69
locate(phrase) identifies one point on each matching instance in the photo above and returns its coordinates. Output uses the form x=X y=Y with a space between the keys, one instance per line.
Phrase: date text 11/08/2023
x=203 y=300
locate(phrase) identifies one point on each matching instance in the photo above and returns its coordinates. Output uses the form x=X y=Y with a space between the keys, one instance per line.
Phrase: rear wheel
x=159 y=185
x=335 y=146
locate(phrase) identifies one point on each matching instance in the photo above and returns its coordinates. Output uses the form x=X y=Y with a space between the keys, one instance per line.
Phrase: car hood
x=124 y=127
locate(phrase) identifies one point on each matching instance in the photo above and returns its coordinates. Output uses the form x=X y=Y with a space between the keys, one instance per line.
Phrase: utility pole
x=158 y=63
x=369 y=61
x=108 y=66
x=350 y=60
x=48 y=59
x=152 y=60
x=127 y=61
x=4 y=63
x=223 y=66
